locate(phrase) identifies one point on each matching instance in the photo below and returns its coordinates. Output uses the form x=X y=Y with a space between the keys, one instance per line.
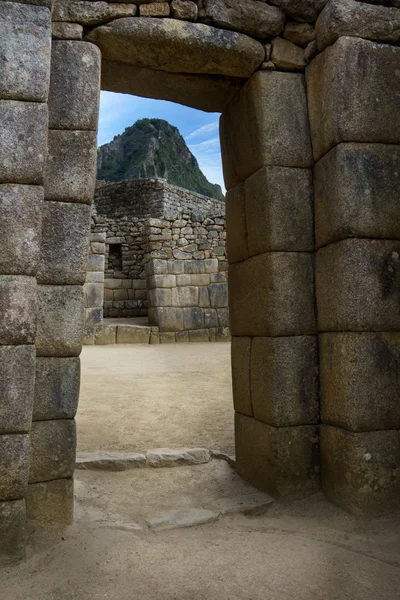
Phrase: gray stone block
x=199 y=335
x=283 y=461
x=302 y=10
x=218 y=295
x=358 y=286
x=359 y=380
x=360 y=471
x=236 y=241
x=93 y=295
x=210 y=265
x=167 y=319
x=61 y=318
x=286 y=56
x=241 y=384
x=18 y=302
x=23 y=128
x=12 y=531
x=51 y=501
x=266 y=123
x=14 y=466
x=194 y=48
x=93 y=321
x=193 y=318
x=223 y=334
x=188 y=296
x=56 y=388
x=166 y=337
x=273 y=295
x=25 y=48
x=17 y=376
x=96 y=262
x=210 y=318
x=64 y=247
x=344 y=107
x=261 y=21
x=162 y=281
x=66 y=31
x=74 y=86
x=127 y=334
x=71 y=166
x=356 y=193
x=279 y=210
x=223 y=317
x=20 y=228
x=284 y=380
x=107 y=335
x=53 y=445
x=160 y=297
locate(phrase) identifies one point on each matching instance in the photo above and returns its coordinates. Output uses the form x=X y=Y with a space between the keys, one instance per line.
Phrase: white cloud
x=208 y=128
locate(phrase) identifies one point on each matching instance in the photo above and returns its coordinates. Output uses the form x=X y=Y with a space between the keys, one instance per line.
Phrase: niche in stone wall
x=115 y=258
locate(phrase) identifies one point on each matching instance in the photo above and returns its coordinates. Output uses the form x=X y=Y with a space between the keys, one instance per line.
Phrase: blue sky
x=200 y=129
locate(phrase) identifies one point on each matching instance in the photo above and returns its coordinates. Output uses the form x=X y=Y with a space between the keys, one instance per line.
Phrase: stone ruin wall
x=173 y=260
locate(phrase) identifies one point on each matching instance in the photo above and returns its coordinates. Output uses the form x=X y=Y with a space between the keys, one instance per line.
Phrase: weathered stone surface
x=184 y=9
x=56 y=388
x=236 y=241
x=188 y=296
x=300 y=34
x=23 y=127
x=182 y=518
x=241 y=383
x=266 y=123
x=109 y=461
x=25 y=40
x=154 y=9
x=66 y=31
x=311 y=51
x=360 y=471
x=51 y=501
x=359 y=380
x=286 y=56
x=17 y=309
x=107 y=335
x=163 y=297
x=167 y=319
x=128 y=334
x=70 y=172
x=17 y=376
x=178 y=46
x=12 y=531
x=166 y=337
x=193 y=318
x=74 y=85
x=53 y=446
x=344 y=107
x=272 y=295
x=247 y=504
x=14 y=466
x=93 y=295
x=91 y=13
x=218 y=295
x=64 y=246
x=284 y=380
x=282 y=461
x=357 y=284
x=356 y=193
x=95 y=263
x=165 y=457
x=302 y=10
x=357 y=19
x=61 y=318
x=199 y=335
x=93 y=321
x=20 y=227
x=254 y=18
x=279 y=210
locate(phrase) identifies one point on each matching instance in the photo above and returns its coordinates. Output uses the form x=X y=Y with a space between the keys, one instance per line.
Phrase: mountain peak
x=153 y=148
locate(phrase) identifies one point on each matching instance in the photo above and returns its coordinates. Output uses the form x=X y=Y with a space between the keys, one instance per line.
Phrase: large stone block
x=161 y=297
x=53 y=445
x=12 y=531
x=20 y=228
x=283 y=461
x=70 y=172
x=51 y=501
x=279 y=210
x=358 y=286
x=344 y=107
x=236 y=227
x=258 y=20
x=357 y=19
x=14 y=466
x=178 y=47
x=241 y=383
x=93 y=321
x=284 y=380
x=56 y=388
x=127 y=334
x=107 y=335
x=361 y=471
x=266 y=123
x=188 y=295
x=17 y=376
x=302 y=10
x=23 y=127
x=96 y=263
x=193 y=318
x=356 y=193
x=61 y=318
x=25 y=46
x=359 y=380
x=93 y=295
x=218 y=295
x=167 y=319
x=74 y=86
x=65 y=240
x=273 y=295
x=18 y=309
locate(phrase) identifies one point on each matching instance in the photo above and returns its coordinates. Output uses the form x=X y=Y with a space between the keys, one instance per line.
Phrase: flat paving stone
x=183 y=518
x=256 y=503
x=109 y=461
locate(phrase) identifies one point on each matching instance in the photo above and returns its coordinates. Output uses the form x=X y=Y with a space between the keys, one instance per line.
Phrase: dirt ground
x=138 y=397
x=306 y=550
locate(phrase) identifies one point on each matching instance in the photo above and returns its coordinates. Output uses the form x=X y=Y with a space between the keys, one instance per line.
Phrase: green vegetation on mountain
x=153 y=148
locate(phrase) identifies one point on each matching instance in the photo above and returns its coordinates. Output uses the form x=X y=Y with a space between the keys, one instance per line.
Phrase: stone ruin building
x=310 y=132
x=156 y=251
